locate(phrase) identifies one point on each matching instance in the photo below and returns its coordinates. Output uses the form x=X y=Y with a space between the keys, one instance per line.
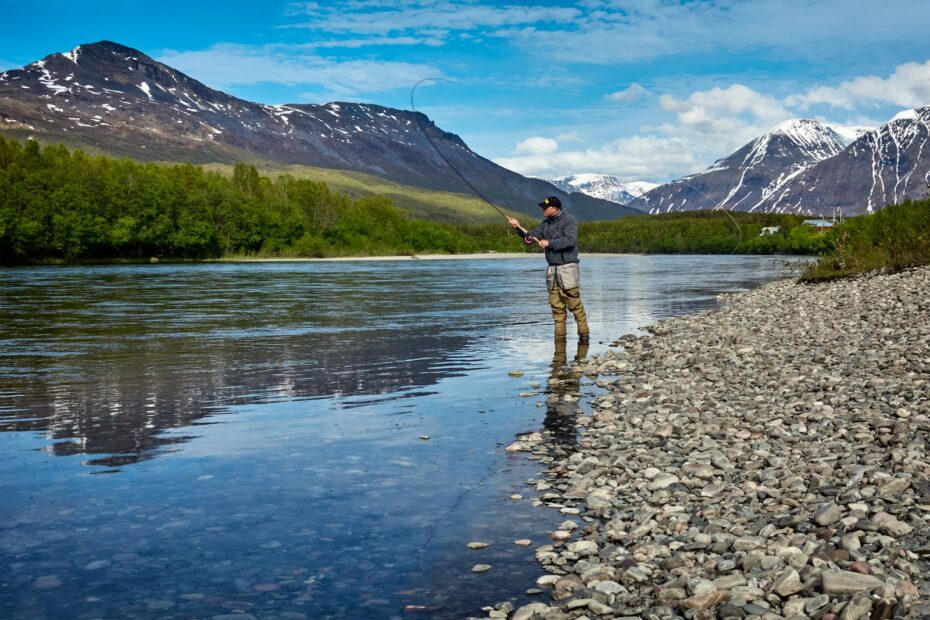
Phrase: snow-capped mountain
x=883 y=166
x=603 y=186
x=748 y=178
x=115 y=99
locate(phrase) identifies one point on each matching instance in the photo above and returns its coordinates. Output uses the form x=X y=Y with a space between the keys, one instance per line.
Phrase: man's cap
x=551 y=201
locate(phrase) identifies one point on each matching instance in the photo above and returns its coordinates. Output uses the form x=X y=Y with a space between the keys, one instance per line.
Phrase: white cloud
x=449 y=15
x=624 y=31
x=736 y=108
x=374 y=41
x=631 y=93
x=537 y=145
x=707 y=125
x=908 y=87
x=226 y=65
x=635 y=158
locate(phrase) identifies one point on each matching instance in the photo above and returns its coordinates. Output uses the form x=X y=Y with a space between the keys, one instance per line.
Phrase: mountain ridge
x=115 y=99
x=603 y=186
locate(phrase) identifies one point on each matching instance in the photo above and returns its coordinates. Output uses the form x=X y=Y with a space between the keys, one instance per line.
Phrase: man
x=557 y=235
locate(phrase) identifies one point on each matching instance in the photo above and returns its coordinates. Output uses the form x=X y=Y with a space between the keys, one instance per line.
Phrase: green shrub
x=892 y=239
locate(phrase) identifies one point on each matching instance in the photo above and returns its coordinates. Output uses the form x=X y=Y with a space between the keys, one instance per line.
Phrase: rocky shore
x=765 y=460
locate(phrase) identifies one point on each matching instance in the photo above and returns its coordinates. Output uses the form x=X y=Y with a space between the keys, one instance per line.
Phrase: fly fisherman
x=557 y=235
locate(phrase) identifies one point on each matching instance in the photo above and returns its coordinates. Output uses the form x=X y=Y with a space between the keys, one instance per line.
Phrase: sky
x=645 y=90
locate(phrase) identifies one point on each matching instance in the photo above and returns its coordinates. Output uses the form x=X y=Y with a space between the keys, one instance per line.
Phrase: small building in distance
x=769 y=230
x=820 y=225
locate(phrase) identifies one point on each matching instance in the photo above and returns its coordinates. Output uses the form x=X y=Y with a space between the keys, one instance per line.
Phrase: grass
x=445 y=207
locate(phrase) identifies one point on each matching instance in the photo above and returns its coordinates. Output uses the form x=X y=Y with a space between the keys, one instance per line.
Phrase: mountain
x=108 y=97
x=603 y=186
x=808 y=167
x=747 y=178
x=883 y=166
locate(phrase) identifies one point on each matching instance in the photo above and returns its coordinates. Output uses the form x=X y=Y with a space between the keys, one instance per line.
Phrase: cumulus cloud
x=908 y=86
x=634 y=158
x=226 y=65
x=736 y=110
x=631 y=93
x=705 y=126
x=537 y=145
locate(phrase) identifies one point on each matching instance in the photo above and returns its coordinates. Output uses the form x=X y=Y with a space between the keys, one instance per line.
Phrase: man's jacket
x=561 y=231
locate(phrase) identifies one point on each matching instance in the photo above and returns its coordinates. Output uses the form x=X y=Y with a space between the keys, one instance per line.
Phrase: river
x=294 y=439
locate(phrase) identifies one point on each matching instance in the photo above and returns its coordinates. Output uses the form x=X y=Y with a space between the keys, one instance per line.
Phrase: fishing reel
x=528 y=240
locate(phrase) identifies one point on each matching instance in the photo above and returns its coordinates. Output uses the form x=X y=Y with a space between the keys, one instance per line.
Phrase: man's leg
x=572 y=300
x=559 y=316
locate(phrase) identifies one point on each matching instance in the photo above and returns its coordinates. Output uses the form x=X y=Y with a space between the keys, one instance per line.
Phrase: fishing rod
x=526 y=238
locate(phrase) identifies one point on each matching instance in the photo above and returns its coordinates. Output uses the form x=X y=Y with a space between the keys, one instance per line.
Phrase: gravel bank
x=765 y=460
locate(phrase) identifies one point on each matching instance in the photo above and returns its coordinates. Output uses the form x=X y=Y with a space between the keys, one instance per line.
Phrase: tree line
x=58 y=204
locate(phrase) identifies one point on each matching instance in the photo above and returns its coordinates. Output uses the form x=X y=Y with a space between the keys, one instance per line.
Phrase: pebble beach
x=764 y=460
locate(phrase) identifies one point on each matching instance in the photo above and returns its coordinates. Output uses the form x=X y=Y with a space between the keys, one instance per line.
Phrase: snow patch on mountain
x=848 y=133
x=73 y=54
x=905 y=115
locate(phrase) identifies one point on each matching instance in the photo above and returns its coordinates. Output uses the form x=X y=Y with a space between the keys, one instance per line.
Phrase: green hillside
x=421 y=203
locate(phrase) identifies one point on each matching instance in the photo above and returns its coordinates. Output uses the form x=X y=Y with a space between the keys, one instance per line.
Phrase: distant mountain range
x=603 y=186
x=111 y=98
x=808 y=167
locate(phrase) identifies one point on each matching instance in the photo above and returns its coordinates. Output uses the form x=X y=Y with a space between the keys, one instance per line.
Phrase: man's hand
x=543 y=243
x=513 y=222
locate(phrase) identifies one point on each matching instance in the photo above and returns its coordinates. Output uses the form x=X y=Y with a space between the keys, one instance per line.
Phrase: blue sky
x=642 y=89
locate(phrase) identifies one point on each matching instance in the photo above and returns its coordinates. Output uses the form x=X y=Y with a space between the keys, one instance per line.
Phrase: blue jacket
x=561 y=231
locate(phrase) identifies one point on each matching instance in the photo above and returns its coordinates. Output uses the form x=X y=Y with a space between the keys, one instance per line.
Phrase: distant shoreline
x=297 y=259
x=482 y=255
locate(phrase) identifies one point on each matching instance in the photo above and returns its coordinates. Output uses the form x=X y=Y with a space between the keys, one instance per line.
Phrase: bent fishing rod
x=526 y=237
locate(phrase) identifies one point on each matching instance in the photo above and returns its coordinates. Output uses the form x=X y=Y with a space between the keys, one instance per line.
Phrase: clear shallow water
x=193 y=440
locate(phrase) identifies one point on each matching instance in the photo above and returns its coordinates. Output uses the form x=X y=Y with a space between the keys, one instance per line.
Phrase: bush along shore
x=765 y=460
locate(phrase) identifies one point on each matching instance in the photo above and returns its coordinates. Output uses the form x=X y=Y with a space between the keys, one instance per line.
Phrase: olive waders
x=565 y=294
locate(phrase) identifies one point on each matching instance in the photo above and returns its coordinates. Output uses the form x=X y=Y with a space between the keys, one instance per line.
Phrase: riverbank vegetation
x=703 y=232
x=61 y=205
x=893 y=239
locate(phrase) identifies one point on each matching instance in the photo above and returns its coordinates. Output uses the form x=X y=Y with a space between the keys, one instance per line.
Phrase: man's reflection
x=564 y=392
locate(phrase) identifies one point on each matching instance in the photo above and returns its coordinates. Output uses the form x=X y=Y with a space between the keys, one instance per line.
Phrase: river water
x=296 y=439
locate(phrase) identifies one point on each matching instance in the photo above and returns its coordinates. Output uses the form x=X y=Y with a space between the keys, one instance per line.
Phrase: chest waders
x=563 y=282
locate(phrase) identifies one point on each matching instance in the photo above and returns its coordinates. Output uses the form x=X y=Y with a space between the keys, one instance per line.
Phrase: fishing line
x=416 y=117
x=739 y=229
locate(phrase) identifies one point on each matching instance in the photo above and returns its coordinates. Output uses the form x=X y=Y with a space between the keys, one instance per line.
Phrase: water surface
x=196 y=440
